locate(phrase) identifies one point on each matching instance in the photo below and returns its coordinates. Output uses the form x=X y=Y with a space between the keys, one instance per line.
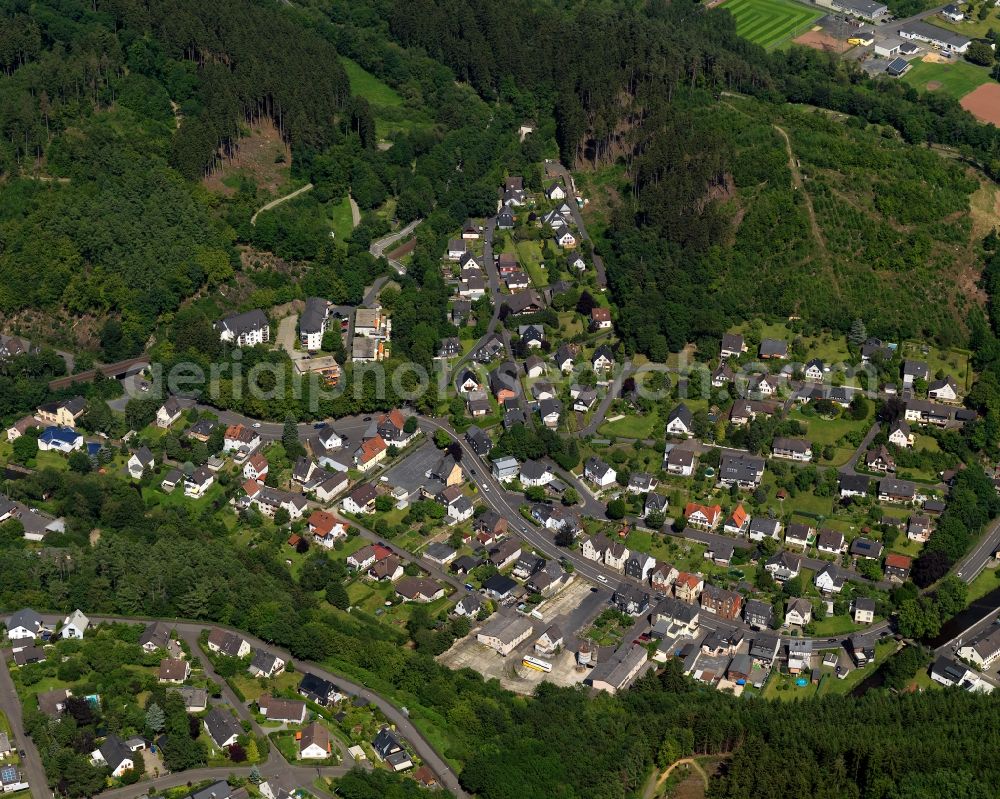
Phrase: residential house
x=314 y=742
x=62 y=413
x=74 y=625
x=593 y=548
x=866 y=548
x=675 y=619
x=240 y=438
x=244 y=330
x=388 y=569
x=703 y=517
x=60 y=439
x=798 y=612
x=814 y=370
x=879 y=460
x=918 y=528
x=796 y=449
x=318 y=690
x=950 y=672
x=641 y=483
x=222 y=727
x=830 y=579
x=549 y=642
x=53 y=703
x=853 y=485
x=168 y=413
x=505 y=218
x=738 y=522
x=583 y=399
x=499 y=587
x=721 y=602
x=983 y=650
x=523 y=303
x=361 y=500
x=599 y=473
x=655 y=503
x=893 y=490
x=156 y=636
x=688 y=587
x=639 y=566
x=269 y=500
x=371 y=453
x=679 y=461
x=783 y=566
x=722 y=375
x=174 y=671
x=418 y=589
x=439 y=552
x=897 y=567
x=631 y=600
x=391 y=427
x=365 y=557
x=549 y=411
x=742 y=470
x=945 y=390
x=469 y=605
x=24 y=625
x=745 y=411
x=114 y=754
x=603 y=359
x=680 y=422
x=565 y=358
x=535 y=473
x=255 y=468
x=864 y=610
x=326 y=529
x=733 y=345
x=831 y=542
x=764 y=649
x=171 y=480
x=720 y=553
x=505 y=553
x=758 y=614
x=285 y=711
x=265 y=664
x=662 y=578
x=914 y=370
x=773 y=348
x=900 y=434
x=600 y=318
x=534 y=366
x=390 y=751
x=504 y=382
x=616 y=556
x=228 y=643
x=20 y=427
x=798 y=535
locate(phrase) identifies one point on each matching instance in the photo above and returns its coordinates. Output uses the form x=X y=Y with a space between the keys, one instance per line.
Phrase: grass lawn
x=368 y=86
x=340 y=219
x=973 y=27
x=823 y=431
x=830 y=347
x=988 y=580
x=831 y=685
x=906 y=546
x=836 y=625
x=529 y=253
x=770 y=22
x=954 y=362
x=956 y=80
x=632 y=426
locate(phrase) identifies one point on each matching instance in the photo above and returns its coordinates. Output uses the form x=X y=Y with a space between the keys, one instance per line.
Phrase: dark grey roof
x=222 y=725
x=681 y=412
x=854 y=482
x=241 y=323
x=313 y=316
x=219 y=790
x=27 y=618
x=114 y=751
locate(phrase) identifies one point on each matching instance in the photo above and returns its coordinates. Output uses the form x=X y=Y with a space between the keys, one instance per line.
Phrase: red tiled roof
x=322 y=522
x=371 y=448
x=898 y=561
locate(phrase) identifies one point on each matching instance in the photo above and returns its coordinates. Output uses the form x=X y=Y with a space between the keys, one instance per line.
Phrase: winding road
x=279 y=201
x=275 y=769
x=378 y=247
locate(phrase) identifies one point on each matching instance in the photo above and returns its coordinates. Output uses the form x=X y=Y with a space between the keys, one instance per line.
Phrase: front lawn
x=529 y=253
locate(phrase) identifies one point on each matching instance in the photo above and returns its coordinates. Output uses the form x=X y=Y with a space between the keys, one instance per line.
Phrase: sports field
x=770 y=22
x=954 y=80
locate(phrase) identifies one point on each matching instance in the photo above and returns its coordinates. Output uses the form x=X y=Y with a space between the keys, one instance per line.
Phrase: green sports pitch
x=770 y=22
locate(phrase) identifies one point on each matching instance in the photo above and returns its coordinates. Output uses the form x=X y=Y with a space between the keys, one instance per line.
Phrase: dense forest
x=641 y=86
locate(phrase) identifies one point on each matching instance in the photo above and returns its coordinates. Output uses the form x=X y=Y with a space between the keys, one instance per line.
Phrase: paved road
x=614 y=390
x=279 y=201
x=970 y=567
x=848 y=468
x=555 y=168
x=11 y=707
x=379 y=247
